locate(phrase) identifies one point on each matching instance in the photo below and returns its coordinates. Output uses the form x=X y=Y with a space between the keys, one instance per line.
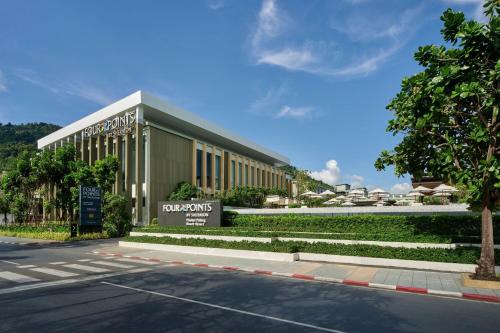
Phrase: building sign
x=201 y=213
x=90 y=206
x=116 y=126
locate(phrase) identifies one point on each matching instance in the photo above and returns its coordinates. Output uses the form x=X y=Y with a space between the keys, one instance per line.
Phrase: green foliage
x=448 y=113
x=435 y=201
x=49 y=231
x=183 y=191
x=294 y=206
x=247 y=196
x=116 y=216
x=420 y=229
x=461 y=255
x=35 y=173
x=154 y=222
x=15 y=139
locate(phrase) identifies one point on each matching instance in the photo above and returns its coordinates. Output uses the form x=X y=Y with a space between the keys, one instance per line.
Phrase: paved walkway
x=448 y=283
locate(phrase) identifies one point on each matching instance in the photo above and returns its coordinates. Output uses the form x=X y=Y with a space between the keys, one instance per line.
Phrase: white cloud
x=216 y=4
x=401 y=188
x=273 y=43
x=272 y=98
x=330 y=175
x=295 y=112
x=3 y=82
x=81 y=90
x=357 y=181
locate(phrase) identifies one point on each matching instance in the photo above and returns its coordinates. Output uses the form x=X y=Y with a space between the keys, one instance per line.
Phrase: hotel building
x=159 y=146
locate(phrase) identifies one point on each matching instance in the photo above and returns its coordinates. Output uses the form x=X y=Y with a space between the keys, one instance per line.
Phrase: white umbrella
x=315 y=196
x=377 y=191
x=327 y=192
x=442 y=194
x=356 y=192
x=347 y=203
x=445 y=188
x=414 y=194
x=332 y=200
x=422 y=189
x=341 y=197
x=308 y=193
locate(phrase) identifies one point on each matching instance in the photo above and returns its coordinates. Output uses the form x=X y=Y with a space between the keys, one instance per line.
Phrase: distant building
x=342 y=189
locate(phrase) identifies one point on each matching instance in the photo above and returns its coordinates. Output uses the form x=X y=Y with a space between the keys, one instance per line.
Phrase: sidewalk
x=423 y=282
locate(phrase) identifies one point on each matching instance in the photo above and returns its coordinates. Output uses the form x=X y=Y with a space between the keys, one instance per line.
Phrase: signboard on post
x=90 y=208
x=200 y=213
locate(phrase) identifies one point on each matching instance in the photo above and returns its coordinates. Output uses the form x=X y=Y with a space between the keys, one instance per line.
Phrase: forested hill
x=16 y=138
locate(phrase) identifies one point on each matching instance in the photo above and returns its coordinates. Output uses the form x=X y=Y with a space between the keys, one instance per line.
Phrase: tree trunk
x=486 y=264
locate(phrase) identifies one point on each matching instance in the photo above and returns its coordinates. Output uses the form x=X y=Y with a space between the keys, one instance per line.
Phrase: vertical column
x=118 y=154
x=128 y=167
x=138 y=172
x=230 y=171
x=237 y=170
x=84 y=147
x=212 y=175
x=77 y=144
x=195 y=146
x=204 y=168
x=255 y=174
x=222 y=170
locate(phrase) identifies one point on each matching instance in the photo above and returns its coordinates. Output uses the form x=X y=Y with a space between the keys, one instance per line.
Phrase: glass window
x=272 y=179
x=233 y=173
x=258 y=177
x=199 y=155
x=246 y=174
x=217 y=172
x=264 y=178
x=209 y=169
x=240 y=174
x=252 y=176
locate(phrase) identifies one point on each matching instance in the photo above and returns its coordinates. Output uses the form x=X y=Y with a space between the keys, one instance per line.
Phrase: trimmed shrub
x=465 y=255
x=183 y=191
x=116 y=216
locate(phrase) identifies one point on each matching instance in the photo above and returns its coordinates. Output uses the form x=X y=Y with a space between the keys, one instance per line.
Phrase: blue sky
x=309 y=79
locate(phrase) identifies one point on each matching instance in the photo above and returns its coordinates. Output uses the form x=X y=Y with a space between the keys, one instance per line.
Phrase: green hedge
x=465 y=255
x=425 y=229
x=50 y=235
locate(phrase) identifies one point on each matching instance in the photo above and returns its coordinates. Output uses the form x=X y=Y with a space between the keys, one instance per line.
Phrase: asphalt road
x=128 y=295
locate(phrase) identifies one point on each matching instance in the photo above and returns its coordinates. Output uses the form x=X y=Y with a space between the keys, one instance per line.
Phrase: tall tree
x=448 y=117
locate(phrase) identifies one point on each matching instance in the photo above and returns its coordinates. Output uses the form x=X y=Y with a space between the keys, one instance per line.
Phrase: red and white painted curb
x=408 y=289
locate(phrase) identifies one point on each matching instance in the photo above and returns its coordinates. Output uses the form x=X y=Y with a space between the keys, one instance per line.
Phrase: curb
x=406 y=289
x=31 y=243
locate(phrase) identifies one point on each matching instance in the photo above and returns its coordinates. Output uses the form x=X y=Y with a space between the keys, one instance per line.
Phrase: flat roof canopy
x=170 y=117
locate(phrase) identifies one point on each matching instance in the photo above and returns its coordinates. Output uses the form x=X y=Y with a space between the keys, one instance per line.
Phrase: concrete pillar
x=204 y=168
x=77 y=144
x=193 y=178
x=138 y=172
x=222 y=170
x=212 y=176
x=128 y=167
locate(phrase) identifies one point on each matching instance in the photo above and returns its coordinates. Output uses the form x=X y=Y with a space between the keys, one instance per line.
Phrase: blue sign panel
x=90 y=206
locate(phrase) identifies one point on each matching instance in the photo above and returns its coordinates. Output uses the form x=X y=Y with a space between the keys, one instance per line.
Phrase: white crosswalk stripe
x=87 y=268
x=111 y=264
x=58 y=263
x=83 y=260
x=26 y=266
x=138 y=261
x=54 y=272
x=19 y=278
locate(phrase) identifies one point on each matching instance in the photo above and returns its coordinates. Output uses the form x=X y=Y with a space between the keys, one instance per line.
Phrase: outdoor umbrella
x=347 y=204
x=442 y=194
x=422 y=189
x=327 y=192
x=377 y=191
x=445 y=188
x=414 y=194
x=308 y=193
